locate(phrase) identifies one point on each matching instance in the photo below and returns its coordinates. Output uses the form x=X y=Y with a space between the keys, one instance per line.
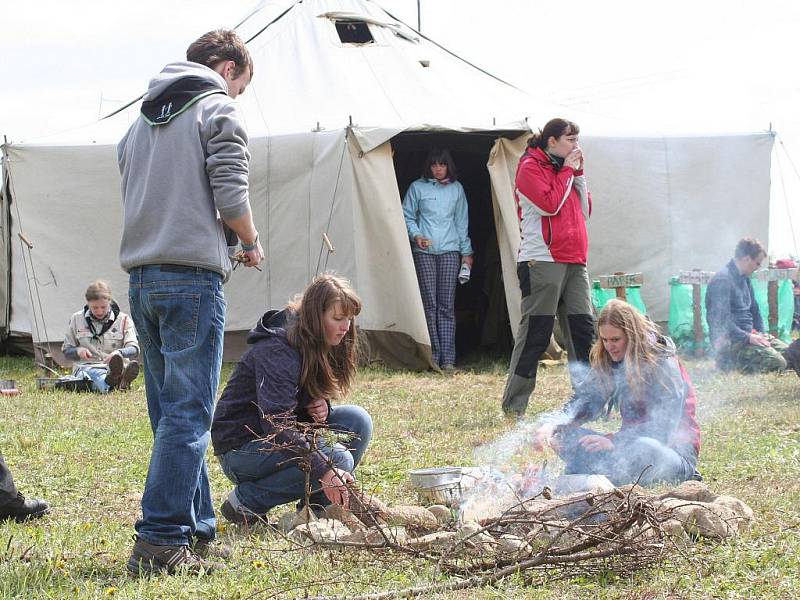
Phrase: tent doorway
x=482 y=322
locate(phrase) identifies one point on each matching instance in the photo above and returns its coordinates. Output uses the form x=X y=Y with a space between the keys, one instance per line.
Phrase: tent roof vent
x=353 y=32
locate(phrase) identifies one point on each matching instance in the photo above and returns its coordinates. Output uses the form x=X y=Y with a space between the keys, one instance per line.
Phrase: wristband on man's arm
x=250 y=247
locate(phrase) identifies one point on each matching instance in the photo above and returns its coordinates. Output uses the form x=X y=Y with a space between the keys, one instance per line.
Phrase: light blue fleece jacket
x=179 y=178
x=439 y=213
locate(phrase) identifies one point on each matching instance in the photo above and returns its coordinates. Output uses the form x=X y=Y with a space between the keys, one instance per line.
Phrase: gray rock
x=417 y=518
x=440 y=539
x=314 y=532
x=742 y=510
x=339 y=513
x=442 y=513
x=694 y=491
x=378 y=535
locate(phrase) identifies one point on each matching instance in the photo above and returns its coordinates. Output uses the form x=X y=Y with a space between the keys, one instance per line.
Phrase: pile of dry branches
x=540 y=538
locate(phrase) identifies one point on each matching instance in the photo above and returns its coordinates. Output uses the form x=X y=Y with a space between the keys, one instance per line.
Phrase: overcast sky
x=620 y=67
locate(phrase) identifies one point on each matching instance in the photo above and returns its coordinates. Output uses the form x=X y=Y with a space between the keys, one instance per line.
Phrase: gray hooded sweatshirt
x=181 y=174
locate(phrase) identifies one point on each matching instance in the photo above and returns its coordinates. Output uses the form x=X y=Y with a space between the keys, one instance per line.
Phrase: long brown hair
x=328 y=371
x=642 y=353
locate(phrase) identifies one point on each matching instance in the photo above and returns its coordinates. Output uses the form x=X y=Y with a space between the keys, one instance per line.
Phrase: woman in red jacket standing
x=553 y=205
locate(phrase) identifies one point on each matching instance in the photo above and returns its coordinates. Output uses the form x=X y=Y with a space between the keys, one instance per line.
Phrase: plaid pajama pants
x=437 y=275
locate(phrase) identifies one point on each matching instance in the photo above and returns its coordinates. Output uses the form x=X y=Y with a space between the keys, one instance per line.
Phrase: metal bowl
x=438 y=485
x=434 y=477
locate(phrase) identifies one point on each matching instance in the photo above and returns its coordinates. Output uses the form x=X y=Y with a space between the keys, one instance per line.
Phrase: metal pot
x=438 y=485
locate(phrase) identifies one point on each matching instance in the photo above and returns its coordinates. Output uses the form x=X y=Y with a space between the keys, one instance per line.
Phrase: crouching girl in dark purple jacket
x=299 y=359
x=634 y=368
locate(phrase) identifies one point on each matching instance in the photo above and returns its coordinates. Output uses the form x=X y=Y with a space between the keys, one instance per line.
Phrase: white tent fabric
x=394 y=84
x=302 y=185
x=660 y=206
x=657 y=201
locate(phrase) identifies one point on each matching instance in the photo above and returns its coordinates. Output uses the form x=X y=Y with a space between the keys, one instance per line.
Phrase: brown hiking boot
x=115 y=368
x=149 y=559
x=130 y=373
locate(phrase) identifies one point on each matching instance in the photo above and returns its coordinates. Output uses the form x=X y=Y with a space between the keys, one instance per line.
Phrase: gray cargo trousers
x=548 y=289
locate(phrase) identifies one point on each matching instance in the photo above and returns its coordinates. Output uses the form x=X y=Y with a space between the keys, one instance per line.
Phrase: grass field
x=88 y=454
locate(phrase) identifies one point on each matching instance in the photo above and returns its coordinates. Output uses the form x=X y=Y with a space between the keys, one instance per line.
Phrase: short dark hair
x=440 y=156
x=749 y=247
x=554 y=128
x=220 y=45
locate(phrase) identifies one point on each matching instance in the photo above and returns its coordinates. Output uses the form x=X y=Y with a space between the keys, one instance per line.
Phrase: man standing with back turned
x=184 y=166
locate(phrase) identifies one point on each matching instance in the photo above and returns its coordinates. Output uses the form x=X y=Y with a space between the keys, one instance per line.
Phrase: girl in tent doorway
x=436 y=215
x=102 y=341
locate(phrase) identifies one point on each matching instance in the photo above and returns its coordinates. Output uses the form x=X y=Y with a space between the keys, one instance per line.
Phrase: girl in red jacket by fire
x=553 y=205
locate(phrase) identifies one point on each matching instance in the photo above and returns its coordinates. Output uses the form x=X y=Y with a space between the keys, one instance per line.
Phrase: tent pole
x=419 y=17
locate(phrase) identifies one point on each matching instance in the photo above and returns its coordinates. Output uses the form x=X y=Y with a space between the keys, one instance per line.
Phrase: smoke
x=510 y=470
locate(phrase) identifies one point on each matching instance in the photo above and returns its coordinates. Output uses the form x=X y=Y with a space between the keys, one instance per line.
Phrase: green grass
x=87 y=455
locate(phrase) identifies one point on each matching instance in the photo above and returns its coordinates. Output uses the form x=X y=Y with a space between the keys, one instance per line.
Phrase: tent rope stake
x=326 y=241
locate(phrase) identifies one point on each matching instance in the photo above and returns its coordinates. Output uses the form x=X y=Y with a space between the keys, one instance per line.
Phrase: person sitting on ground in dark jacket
x=300 y=359
x=633 y=367
x=735 y=325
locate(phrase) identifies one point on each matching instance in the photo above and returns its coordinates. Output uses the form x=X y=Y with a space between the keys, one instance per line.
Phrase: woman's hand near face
x=334 y=486
x=596 y=443
x=574 y=159
x=317 y=409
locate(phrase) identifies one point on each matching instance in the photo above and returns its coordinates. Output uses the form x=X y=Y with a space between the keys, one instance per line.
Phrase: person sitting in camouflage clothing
x=735 y=325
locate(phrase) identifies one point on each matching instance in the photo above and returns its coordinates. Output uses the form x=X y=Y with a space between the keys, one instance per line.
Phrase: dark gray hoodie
x=180 y=174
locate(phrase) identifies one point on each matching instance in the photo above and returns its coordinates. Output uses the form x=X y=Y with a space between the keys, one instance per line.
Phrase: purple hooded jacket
x=266 y=381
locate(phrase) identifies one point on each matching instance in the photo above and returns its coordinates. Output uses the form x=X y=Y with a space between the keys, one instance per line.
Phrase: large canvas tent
x=343 y=105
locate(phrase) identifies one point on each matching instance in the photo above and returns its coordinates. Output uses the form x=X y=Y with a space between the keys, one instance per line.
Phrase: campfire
x=480 y=525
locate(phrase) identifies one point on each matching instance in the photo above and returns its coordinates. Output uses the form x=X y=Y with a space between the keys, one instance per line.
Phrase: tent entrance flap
x=482 y=320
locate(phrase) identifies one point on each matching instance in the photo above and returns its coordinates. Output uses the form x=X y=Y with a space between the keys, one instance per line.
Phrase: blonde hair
x=328 y=371
x=99 y=289
x=642 y=352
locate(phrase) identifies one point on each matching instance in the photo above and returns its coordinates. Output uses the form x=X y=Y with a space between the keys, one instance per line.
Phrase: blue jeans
x=179 y=314
x=626 y=462
x=264 y=479
x=97 y=375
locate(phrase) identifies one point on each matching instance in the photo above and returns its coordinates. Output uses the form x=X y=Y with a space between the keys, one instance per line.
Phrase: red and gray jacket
x=553 y=206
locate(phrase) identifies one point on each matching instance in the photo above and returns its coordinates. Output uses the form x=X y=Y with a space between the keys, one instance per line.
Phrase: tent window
x=354 y=32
